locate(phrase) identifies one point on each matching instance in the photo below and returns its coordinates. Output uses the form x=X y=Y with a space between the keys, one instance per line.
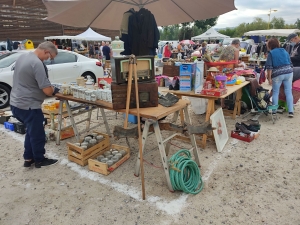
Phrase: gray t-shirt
x=28 y=81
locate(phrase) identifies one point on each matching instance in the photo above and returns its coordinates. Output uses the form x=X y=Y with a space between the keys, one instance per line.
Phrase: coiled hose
x=185 y=173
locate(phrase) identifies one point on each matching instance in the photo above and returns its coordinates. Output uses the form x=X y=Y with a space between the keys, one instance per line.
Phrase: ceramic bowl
x=99 y=137
x=115 y=159
x=100 y=157
x=77 y=144
x=123 y=152
x=84 y=147
x=110 y=163
x=87 y=139
x=119 y=155
x=109 y=156
x=114 y=152
x=107 y=153
x=84 y=144
x=104 y=160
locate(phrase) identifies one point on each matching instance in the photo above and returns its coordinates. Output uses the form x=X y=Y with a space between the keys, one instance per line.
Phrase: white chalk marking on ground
x=214 y=163
x=172 y=207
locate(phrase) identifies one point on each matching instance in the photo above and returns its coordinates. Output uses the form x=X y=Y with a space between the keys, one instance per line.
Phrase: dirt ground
x=246 y=183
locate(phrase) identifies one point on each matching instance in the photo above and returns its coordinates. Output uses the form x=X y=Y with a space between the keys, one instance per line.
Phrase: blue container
x=185 y=69
x=9 y=126
x=131 y=118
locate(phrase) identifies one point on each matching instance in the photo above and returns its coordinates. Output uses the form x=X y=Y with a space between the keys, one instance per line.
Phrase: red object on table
x=108 y=80
x=214 y=92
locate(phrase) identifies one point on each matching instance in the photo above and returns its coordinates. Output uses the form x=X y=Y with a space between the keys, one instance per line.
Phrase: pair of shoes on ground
x=246 y=129
x=291 y=114
x=45 y=162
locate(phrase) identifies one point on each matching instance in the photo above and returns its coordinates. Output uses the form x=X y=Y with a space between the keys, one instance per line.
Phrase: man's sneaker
x=46 y=162
x=291 y=115
x=28 y=163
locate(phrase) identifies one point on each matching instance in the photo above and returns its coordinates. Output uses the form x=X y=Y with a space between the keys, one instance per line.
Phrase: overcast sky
x=289 y=10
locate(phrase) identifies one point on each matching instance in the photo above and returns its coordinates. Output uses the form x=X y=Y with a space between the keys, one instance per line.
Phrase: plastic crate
x=19 y=128
x=9 y=126
x=131 y=118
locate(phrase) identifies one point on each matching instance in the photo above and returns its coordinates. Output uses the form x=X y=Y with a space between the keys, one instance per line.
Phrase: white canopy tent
x=272 y=32
x=210 y=34
x=59 y=37
x=88 y=35
x=91 y=35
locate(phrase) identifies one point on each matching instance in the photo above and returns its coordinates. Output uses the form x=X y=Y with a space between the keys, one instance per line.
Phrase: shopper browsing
x=30 y=87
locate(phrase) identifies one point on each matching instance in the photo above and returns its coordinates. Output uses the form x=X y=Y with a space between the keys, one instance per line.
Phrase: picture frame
x=220 y=133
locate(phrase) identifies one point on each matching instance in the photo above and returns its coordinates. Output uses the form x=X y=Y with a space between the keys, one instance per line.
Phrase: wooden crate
x=99 y=167
x=80 y=156
x=171 y=71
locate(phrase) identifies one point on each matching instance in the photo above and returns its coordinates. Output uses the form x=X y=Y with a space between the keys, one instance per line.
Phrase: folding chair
x=255 y=108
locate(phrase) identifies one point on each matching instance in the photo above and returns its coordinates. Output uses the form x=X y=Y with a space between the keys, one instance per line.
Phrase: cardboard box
x=214 y=92
x=80 y=156
x=99 y=167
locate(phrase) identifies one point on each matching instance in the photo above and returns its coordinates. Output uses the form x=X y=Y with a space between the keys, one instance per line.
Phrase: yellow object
x=28 y=44
x=238 y=82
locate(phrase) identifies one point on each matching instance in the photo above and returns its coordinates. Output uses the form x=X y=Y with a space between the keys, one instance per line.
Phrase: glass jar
x=82 y=93
x=93 y=98
x=220 y=81
x=104 y=95
x=88 y=94
x=89 y=85
x=75 y=92
x=65 y=89
x=108 y=95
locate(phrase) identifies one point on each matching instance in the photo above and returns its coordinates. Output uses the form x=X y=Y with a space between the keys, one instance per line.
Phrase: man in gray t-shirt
x=30 y=87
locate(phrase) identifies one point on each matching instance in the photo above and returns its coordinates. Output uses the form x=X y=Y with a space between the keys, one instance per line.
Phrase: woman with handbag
x=280 y=70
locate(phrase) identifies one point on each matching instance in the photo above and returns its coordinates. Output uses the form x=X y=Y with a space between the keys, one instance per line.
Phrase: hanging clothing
x=143 y=33
x=124 y=31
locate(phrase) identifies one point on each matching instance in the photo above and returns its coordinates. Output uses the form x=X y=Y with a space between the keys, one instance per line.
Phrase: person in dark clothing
x=295 y=55
x=106 y=51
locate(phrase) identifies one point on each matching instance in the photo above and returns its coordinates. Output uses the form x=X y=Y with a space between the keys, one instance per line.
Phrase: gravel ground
x=247 y=183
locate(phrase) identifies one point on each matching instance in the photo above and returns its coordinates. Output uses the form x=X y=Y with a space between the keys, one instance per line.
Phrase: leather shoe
x=251 y=127
x=242 y=128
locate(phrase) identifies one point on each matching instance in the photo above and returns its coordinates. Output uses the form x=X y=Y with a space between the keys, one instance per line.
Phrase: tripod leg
x=140 y=135
x=128 y=93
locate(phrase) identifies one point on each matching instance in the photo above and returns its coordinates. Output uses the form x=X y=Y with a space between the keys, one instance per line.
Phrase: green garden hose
x=185 y=173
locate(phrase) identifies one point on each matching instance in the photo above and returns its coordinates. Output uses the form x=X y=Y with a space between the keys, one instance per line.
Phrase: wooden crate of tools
x=100 y=167
x=80 y=156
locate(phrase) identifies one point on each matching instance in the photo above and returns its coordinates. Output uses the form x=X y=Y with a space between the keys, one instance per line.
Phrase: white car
x=65 y=67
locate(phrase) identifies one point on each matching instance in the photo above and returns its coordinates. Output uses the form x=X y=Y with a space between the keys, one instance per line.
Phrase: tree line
x=185 y=31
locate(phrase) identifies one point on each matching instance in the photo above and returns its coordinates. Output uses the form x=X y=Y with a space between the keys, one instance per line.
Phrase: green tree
x=206 y=24
x=277 y=23
x=297 y=24
x=185 y=27
x=228 y=31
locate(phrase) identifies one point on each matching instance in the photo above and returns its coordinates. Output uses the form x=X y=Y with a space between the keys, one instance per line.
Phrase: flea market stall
x=139 y=39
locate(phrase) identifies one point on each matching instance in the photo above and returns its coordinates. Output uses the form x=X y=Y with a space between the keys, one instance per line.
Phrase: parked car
x=65 y=67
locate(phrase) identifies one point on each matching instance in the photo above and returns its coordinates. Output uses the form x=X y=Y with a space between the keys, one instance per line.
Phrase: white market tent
x=88 y=35
x=59 y=37
x=91 y=35
x=272 y=32
x=210 y=34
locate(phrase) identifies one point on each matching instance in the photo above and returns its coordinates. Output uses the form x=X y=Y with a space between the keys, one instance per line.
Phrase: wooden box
x=80 y=156
x=148 y=95
x=171 y=71
x=99 y=167
x=144 y=65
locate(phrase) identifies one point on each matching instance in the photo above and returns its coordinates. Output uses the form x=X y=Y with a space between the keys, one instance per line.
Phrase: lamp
x=271 y=10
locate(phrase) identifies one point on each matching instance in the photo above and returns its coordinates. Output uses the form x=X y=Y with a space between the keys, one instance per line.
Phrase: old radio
x=145 y=69
x=148 y=95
